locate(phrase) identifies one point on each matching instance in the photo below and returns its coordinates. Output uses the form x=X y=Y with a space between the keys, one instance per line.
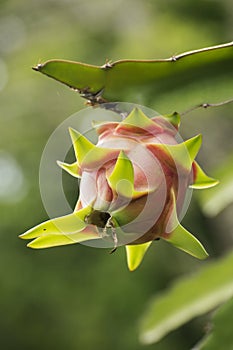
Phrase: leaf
x=189 y=297
x=122 y=79
x=221 y=333
x=218 y=198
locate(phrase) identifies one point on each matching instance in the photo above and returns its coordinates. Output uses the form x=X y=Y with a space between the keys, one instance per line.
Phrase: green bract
x=132 y=190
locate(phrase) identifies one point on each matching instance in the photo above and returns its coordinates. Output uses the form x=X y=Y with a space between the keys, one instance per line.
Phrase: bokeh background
x=77 y=297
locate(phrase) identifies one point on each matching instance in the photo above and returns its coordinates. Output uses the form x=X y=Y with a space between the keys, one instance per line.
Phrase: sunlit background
x=77 y=297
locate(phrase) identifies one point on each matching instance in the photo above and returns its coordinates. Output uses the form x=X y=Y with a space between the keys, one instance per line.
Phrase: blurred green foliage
x=219 y=329
x=78 y=297
x=188 y=298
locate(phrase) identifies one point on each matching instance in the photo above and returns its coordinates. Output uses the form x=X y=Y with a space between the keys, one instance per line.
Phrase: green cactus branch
x=116 y=81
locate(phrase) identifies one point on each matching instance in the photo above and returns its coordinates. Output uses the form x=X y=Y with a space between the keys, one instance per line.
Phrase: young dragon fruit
x=133 y=188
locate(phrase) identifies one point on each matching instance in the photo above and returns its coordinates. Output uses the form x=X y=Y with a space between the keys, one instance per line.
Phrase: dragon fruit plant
x=133 y=188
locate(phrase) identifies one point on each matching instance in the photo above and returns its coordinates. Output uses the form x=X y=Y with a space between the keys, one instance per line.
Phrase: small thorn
x=173 y=58
x=108 y=64
x=38 y=67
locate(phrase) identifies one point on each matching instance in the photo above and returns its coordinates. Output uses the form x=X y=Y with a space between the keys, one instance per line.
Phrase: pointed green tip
x=72 y=169
x=51 y=241
x=122 y=155
x=135 y=254
x=183 y=153
x=204 y=184
x=88 y=155
x=137 y=118
x=82 y=146
x=178 y=236
x=121 y=179
x=184 y=240
x=74 y=134
x=69 y=229
x=32 y=245
x=23 y=235
x=201 y=180
x=71 y=223
x=173 y=118
x=193 y=145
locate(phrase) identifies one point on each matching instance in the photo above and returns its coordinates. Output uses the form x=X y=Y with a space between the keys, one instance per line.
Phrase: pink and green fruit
x=133 y=188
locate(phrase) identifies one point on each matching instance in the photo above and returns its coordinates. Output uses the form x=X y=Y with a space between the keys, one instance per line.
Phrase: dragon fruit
x=133 y=188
